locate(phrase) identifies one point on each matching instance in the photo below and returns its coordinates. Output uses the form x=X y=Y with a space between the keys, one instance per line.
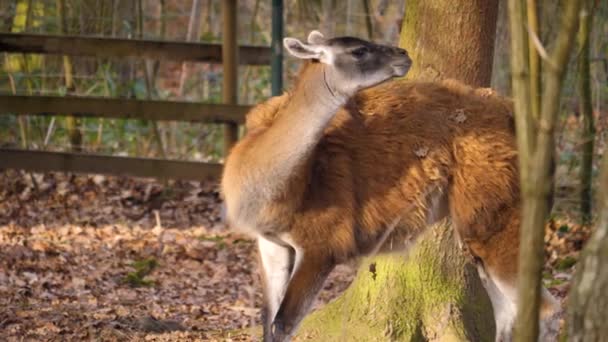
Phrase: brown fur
x=366 y=170
x=386 y=154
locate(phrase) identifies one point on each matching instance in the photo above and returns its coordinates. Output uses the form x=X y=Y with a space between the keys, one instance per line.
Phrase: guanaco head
x=351 y=64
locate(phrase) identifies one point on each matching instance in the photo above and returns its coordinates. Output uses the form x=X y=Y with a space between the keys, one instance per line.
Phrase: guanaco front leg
x=306 y=282
x=277 y=262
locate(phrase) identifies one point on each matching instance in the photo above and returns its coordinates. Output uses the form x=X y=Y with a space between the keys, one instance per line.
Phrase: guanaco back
x=346 y=161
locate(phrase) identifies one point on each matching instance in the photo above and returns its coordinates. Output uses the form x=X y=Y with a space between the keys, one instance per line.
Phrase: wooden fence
x=230 y=114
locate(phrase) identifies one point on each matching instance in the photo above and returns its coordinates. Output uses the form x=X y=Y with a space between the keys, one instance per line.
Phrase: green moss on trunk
x=430 y=294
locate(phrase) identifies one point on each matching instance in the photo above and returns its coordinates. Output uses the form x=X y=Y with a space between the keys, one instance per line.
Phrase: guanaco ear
x=316 y=38
x=308 y=51
x=301 y=50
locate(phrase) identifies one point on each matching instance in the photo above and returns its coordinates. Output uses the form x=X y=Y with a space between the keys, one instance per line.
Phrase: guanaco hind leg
x=277 y=262
x=503 y=295
x=503 y=305
x=306 y=282
x=498 y=271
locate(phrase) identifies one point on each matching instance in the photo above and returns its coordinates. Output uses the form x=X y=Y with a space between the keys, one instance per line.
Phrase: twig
x=542 y=52
x=161 y=233
x=49 y=132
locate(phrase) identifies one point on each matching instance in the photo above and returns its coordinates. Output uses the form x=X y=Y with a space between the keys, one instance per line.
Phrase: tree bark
x=7 y=14
x=535 y=159
x=430 y=294
x=451 y=39
x=586 y=111
x=588 y=306
x=534 y=58
x=433 y=294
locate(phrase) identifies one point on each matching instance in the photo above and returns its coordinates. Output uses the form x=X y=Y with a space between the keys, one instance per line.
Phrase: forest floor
x=118 y=258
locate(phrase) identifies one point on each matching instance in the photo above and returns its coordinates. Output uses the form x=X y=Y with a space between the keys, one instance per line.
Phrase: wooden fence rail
x=45 y=161
x=119 y=47
x=122 y=108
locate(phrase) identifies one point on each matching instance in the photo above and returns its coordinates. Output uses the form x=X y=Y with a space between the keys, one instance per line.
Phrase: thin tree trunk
x=588 y=299
x=586 y=111
x=162 y=31
x=349 y=18
x=433 y=293
x=208 y=23
x=328 y=19
x=535 y=166
x=33 y=122
x=521 y=86
x=501 y=75
x=7 y=15
x=115 y=17
x=24 y=122
x=8 y=19
x=150 y=82
x=20 y=121
x=72 y=123
x=368 y=20
x=193 y=34
x=248 y=69
x=535 y=72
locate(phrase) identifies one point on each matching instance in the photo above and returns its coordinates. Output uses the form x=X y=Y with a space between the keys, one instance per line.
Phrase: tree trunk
x=451 y=39
x=588 y=307
x=7 y=14
x=536 y=151
x=586 y=111
x=72 y=123
x=430 y=294
x=433 y=294
x=148 y=77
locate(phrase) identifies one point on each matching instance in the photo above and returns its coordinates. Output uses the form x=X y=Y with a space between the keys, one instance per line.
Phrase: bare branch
x=542 y=52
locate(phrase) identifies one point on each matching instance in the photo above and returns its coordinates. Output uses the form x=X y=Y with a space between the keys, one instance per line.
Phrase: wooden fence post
x=230 y=66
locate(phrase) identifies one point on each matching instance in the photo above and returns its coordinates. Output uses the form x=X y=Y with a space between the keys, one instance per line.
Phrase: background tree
x=585 y=109
x=588 y=307
x=433 y=293
x=72 y=123
x=536 y=149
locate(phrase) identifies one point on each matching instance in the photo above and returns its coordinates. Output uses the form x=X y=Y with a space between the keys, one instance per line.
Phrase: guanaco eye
x=360 y=52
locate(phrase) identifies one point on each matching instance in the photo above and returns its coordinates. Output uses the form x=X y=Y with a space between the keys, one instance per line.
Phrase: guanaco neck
x=313 y=102
x=286 y=147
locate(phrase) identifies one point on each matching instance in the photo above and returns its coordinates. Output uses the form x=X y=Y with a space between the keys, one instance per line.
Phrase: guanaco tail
x=325 y=168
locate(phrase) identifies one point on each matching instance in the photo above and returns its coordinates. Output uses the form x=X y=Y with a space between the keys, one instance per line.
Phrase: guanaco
x=327 y=169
